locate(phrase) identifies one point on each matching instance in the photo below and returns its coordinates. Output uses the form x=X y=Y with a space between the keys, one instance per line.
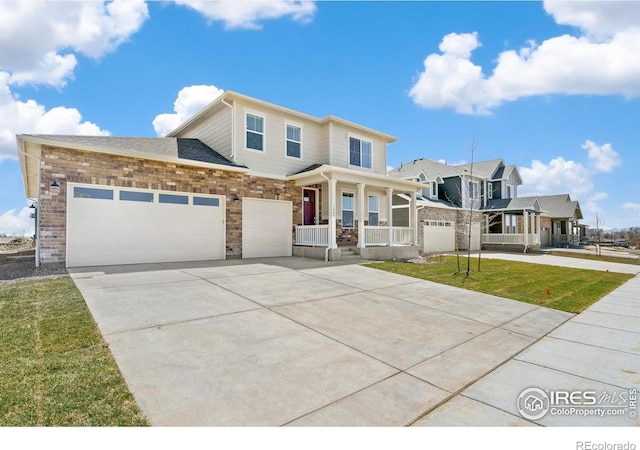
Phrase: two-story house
x=482 y=195
x=241 y=178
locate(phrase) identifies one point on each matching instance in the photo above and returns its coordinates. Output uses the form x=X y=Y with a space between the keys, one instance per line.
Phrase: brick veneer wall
x=73 y=166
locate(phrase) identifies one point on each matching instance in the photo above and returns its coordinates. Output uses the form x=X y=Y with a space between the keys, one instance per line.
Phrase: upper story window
x=255 y=132
x=510 y=191
x=434 y=189
x=294 y=141
x=360 y=153
x=474 y=192
x=490 y=190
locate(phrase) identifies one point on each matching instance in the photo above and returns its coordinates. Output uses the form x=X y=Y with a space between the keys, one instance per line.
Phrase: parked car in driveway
x=624 y=244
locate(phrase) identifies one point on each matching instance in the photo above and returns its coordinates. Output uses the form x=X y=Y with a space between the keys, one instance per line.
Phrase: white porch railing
x=380 y=235
x=376 y=235
x=402 y=235
x=312 y=235
x=318 y=235
x=511 y=238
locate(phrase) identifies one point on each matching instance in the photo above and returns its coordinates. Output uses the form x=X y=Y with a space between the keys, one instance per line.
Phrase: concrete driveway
x=290 y=341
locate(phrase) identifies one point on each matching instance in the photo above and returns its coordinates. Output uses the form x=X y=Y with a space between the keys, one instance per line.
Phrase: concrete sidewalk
x=597 y=350
x=564 y=261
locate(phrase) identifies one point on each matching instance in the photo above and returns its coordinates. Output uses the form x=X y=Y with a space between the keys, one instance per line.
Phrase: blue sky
x=552 y=87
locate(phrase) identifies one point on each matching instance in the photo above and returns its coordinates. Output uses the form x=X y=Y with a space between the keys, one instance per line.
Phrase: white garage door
x=439 y=237
x=111 y=225
x=266 y=228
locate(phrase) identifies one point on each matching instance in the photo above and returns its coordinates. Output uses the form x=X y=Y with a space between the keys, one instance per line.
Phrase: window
x=473 y=190
x=509 y=191
x=434 y=189
x=255 y=132
x=82 y=192
x=347 y=210
x=490 y=190
x=294 y=141
x=359 y=153
x=511 y=223
x=206 y=201
x=172 y=198
x=136 y=196
x=374 y=210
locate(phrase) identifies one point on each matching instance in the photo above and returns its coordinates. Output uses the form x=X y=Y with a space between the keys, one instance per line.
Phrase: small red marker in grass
x=607 y=270
x=548 y=292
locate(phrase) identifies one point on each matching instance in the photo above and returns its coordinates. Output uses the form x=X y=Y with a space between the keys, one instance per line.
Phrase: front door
x=309 y=209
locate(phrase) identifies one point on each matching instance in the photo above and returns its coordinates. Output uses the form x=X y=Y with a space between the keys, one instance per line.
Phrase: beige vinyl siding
x=273 y=159
x=214 y=130
x=340 y=148
x=341 y=187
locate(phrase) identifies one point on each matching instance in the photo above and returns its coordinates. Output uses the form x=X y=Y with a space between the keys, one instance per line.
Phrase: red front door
x=309 y=209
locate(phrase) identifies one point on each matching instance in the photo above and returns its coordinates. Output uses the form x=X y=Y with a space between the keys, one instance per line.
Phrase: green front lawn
x=570 y=290
x=612 y=259
x=55 y=369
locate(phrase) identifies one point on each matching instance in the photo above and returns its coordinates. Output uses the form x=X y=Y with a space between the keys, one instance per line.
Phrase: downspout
x=22 y=152
x=233 y=130
x=326 y=250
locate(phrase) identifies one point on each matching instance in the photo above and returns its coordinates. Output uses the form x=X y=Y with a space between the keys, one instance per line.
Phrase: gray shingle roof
x=560 y=206
x=433 y=169
x=188 y=149
x=515 y=204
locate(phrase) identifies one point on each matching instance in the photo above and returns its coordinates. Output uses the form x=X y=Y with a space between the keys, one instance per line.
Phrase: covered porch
x=352 y=208
x=513 y=226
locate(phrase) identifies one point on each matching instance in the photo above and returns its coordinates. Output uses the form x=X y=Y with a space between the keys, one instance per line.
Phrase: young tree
x=599 y=232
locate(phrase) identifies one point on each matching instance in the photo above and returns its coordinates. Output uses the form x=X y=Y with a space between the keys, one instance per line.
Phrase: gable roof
x=431 y=169
x=493 y=169
x=560 y=206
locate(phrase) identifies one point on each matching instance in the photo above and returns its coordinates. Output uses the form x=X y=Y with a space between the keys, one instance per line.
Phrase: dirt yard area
x=17 y=262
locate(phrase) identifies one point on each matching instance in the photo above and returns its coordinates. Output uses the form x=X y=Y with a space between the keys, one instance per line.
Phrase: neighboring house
x=560 y=221
x=485 y=192
x=241 y=178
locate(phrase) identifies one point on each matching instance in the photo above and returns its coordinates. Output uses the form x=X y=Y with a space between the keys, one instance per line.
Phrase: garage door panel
x=118 y=231
x=266 y=228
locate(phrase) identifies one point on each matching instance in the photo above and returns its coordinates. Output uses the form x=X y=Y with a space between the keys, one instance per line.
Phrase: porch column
x=390 y=214
x=414 y=216
x=538 y=231
x=526 y=230
x=332 y=213
x=361 y=215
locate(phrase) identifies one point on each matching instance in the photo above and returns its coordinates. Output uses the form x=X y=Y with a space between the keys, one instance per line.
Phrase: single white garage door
x=439 y=236
x=266 y=228
x=109 y=225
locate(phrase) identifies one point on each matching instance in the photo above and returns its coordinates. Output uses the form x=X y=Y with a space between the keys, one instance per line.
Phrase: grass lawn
x=571 y=290
x=55 y=369
x=613 y=259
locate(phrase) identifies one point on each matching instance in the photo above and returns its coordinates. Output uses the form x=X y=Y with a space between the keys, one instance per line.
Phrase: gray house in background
x=500 y=220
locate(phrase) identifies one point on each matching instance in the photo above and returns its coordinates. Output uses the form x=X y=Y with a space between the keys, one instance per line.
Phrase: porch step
x=349 y=253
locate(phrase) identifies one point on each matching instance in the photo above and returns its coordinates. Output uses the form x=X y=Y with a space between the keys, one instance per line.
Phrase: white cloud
x=18 y=117
x=247 y=14
x=39 y=38
x=602 y=61
x=632 y=206
x=17 y=223
x=603 y=157
x=560 y=176
x=191 y=99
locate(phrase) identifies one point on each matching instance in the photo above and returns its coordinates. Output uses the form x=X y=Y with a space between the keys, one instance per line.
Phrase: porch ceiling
x=321 y=174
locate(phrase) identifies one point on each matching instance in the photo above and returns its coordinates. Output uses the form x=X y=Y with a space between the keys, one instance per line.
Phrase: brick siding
x=73 y=166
